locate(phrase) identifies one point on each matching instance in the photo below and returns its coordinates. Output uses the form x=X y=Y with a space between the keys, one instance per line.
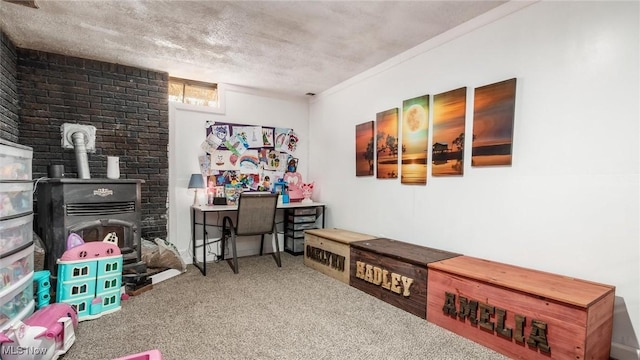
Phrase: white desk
x=204 y=209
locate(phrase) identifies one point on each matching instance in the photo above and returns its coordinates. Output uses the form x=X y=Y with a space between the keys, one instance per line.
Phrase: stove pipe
x=82 y=159
x=82 y=139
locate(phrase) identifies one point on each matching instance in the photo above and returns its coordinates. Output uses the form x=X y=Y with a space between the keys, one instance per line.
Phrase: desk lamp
x=196 y=182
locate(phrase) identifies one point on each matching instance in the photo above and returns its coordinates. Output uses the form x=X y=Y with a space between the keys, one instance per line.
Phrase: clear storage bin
x=15 y=233
x=295 y=245
x=16 y=301
x=302 y=219
x=16 y=267
x=15 y=198
x=15 y=161
x=304 y=211
x=301 y=226
x=296 y=234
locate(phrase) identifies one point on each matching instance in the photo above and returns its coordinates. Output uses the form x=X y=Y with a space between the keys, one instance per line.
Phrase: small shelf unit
x=296 y=221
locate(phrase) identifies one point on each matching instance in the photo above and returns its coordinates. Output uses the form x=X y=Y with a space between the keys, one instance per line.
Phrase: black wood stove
x=91 y=208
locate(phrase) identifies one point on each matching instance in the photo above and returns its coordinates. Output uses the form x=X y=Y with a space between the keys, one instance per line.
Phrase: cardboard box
x=519 y=312
x=394 y=271
x=327 y=250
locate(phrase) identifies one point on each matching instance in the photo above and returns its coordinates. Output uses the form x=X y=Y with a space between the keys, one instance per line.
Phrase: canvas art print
x=387 y=144
x=493 y=113
x=447 y=150
x=364 y=149
x=415 y=133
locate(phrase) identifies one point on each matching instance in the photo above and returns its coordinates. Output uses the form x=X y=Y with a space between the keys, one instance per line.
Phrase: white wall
x=569 y=204
x=187 y=132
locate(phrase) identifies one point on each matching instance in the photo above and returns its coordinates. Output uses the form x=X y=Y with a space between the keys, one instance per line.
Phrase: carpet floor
x=265 y=312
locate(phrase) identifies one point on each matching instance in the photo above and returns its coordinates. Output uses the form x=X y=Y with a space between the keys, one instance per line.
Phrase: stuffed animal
x=307 y=190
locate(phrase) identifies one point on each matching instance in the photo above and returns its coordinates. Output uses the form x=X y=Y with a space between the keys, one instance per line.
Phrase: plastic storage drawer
x=301 y=226
x=15 y=161
x=15 y=233
x=302 y=219
x=295 y=245
x=15 y=267
x=304 y=211
x=16 y=198
x=15 y=302
x=296 y=234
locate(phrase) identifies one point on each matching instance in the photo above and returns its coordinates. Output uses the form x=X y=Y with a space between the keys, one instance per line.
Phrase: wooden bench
x=519 y=312
x=394 y=271
x=327 y=250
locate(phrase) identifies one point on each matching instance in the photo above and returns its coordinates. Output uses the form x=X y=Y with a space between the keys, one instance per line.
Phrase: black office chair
x=256 y=216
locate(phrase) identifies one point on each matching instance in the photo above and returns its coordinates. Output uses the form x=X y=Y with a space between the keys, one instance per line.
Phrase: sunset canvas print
x=493 y=113
x=447 y=153
x=364 y=149
x=415 y=131
x=387 y=144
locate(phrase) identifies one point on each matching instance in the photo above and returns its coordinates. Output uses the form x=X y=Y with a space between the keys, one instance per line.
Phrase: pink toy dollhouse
x=90 y=276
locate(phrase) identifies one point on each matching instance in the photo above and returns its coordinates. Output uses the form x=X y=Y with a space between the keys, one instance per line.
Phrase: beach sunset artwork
x=364 y=149
x=387 y=144
x=415 y=136
x=493 y=117
x=447 y=153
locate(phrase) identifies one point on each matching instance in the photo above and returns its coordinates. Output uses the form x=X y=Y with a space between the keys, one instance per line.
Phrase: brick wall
x=8 y=90
x=128 y=106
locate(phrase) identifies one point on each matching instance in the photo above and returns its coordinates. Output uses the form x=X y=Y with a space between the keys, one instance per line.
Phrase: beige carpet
x=265 y=312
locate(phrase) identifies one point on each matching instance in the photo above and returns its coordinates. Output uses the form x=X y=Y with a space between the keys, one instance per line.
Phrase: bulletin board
x=239 y=157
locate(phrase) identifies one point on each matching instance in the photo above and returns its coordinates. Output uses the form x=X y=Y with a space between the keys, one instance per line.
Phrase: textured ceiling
x=283 y=47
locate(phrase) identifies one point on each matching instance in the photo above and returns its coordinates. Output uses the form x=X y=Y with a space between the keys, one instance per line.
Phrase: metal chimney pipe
x=82 y=159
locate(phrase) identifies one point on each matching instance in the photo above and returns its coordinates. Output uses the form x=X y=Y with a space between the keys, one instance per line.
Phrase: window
x=193 y=92
x=83 y=271
x=111 y=267
x=80 y=307
x=75 y=290
x=109 y=300
x=109 y=283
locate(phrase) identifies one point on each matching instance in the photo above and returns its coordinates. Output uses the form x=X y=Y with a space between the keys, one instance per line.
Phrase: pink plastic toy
x=147 y=355
x=294 y=180
x=45 y=335
x=307 y=191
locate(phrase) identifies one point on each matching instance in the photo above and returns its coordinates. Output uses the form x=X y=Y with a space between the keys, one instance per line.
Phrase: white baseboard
x=624 y=352
x=164 y=275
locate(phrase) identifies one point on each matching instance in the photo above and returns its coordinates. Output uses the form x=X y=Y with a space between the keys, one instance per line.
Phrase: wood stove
x=92 y=208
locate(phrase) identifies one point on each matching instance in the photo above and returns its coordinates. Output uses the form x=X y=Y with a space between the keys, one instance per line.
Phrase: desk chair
x=256 y=216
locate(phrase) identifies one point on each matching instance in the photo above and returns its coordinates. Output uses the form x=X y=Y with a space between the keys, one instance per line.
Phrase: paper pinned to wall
x=236 y=144
x=205 y=164
x=249 y=162
x=224 y=160
x=291 y=143
x=252 y=135
x=280 y=138
x=268 y=137
x=219 y=133
x=276 y=161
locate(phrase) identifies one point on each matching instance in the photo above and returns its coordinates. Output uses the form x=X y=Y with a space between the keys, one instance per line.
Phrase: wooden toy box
x=519 y=312
x=394 y=271
x=327 y=251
